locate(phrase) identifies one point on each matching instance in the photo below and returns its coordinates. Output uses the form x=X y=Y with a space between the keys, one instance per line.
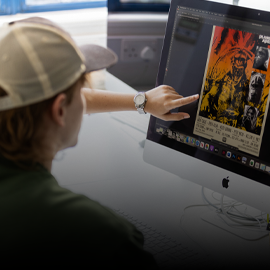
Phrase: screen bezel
x=228 y=10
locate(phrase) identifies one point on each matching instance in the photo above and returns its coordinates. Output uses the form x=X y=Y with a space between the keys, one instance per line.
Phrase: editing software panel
x=232 y=111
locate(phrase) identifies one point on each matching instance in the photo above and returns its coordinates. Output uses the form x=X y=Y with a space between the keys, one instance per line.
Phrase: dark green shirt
x=46 y=221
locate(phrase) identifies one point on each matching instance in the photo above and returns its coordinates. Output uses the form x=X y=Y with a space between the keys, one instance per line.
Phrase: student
x=42 y=73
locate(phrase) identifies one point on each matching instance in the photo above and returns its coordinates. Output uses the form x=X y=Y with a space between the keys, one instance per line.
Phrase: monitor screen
x=220 y=52
x=138 y=5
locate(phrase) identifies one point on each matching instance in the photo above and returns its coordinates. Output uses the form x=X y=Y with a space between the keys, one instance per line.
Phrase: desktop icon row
x=217 y=149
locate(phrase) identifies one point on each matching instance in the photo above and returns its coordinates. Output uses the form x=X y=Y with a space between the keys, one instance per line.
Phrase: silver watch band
x=141 y=110
x=140 y=106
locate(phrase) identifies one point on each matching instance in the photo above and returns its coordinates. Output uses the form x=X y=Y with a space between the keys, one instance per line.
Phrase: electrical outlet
x=139 y=50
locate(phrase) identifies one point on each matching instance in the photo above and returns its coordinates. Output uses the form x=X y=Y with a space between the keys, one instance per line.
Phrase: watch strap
x=140 y=108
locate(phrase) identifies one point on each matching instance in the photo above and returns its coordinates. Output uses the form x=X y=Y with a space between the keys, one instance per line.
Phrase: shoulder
x=44 y=219
x=83 y=228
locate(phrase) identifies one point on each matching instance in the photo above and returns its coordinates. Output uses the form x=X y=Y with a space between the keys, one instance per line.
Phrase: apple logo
x=225 y=182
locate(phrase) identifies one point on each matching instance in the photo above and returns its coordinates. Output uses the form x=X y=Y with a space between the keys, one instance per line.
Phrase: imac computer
x=220 y=52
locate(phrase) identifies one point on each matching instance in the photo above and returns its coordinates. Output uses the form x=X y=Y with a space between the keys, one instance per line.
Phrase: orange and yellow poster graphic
x=234 y=95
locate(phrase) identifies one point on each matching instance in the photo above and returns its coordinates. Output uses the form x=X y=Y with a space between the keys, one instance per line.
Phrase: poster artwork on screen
x=234 y=97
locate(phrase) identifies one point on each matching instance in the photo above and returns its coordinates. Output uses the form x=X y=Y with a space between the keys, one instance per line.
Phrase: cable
x=226 y=213
x=246 y=227
x=232 y=205
x=229 y=210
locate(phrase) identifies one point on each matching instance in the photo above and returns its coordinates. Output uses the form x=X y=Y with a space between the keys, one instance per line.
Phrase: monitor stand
x=219 y=220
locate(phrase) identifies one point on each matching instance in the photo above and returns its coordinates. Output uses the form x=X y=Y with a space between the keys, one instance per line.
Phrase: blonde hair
x=18 y=129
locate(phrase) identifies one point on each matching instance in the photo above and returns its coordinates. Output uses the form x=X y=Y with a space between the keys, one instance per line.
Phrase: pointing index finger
x=183 y=101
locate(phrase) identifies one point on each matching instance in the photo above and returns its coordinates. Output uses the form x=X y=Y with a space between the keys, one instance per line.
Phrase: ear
x=58 y=110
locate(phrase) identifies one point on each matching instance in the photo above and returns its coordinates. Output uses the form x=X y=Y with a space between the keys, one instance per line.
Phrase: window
x=22 y=6
x=5 y=7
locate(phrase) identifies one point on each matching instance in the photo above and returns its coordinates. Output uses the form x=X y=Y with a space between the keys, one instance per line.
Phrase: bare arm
x=160 y=101
x=105 y=101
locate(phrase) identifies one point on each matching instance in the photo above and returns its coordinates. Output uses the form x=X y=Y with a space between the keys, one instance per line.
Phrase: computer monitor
x=222 y=53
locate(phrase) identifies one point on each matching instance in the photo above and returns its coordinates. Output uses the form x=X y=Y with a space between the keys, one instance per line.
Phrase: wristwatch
x=140 y=100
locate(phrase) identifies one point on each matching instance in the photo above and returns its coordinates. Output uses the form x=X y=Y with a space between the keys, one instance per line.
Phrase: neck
x=49 y=145
x=48 y=154
x=47 y=165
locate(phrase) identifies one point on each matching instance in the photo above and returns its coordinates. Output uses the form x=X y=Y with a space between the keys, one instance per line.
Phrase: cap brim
x=97 y=57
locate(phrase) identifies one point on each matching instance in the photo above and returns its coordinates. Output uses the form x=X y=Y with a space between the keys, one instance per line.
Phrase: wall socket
x=139 y=50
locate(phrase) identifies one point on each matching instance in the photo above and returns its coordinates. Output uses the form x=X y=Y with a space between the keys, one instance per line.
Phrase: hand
x=164 y=98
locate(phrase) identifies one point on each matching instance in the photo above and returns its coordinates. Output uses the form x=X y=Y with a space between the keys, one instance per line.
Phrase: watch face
x=139 y=99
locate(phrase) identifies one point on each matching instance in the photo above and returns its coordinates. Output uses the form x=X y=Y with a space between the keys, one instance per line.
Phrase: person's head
x=255 y=87
x=239 y=63
x=261 y=56
x=42 y=72
x=251 y=113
